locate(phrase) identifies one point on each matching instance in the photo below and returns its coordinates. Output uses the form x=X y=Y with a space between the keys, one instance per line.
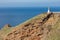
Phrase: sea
x=17 y=15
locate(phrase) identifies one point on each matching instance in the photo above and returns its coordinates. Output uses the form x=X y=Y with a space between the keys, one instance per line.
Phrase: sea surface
x=16 y=16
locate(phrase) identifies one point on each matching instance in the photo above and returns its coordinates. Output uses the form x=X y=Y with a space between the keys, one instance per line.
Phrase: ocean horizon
x=16 y=16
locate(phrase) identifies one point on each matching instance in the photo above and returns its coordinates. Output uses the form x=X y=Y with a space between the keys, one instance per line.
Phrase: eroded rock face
x=30 y=32
x=33 y=30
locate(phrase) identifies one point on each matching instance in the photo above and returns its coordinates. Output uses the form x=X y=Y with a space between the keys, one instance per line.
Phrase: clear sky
x=28 y=3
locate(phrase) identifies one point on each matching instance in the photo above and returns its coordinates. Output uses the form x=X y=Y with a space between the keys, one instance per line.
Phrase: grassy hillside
x=55 y=32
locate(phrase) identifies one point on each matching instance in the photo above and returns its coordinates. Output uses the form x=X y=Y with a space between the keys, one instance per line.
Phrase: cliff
x=41 y=27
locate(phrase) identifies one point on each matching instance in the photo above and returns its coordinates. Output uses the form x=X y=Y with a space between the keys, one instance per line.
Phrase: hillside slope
x=41 y=27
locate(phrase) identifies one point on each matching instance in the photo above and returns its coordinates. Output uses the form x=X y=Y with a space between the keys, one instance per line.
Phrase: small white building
x=48 y=11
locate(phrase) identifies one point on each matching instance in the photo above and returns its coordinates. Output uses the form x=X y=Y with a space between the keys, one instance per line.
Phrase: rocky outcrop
x=7 y=25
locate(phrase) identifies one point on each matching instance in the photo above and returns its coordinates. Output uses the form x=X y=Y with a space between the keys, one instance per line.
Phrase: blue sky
x=28 y=3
